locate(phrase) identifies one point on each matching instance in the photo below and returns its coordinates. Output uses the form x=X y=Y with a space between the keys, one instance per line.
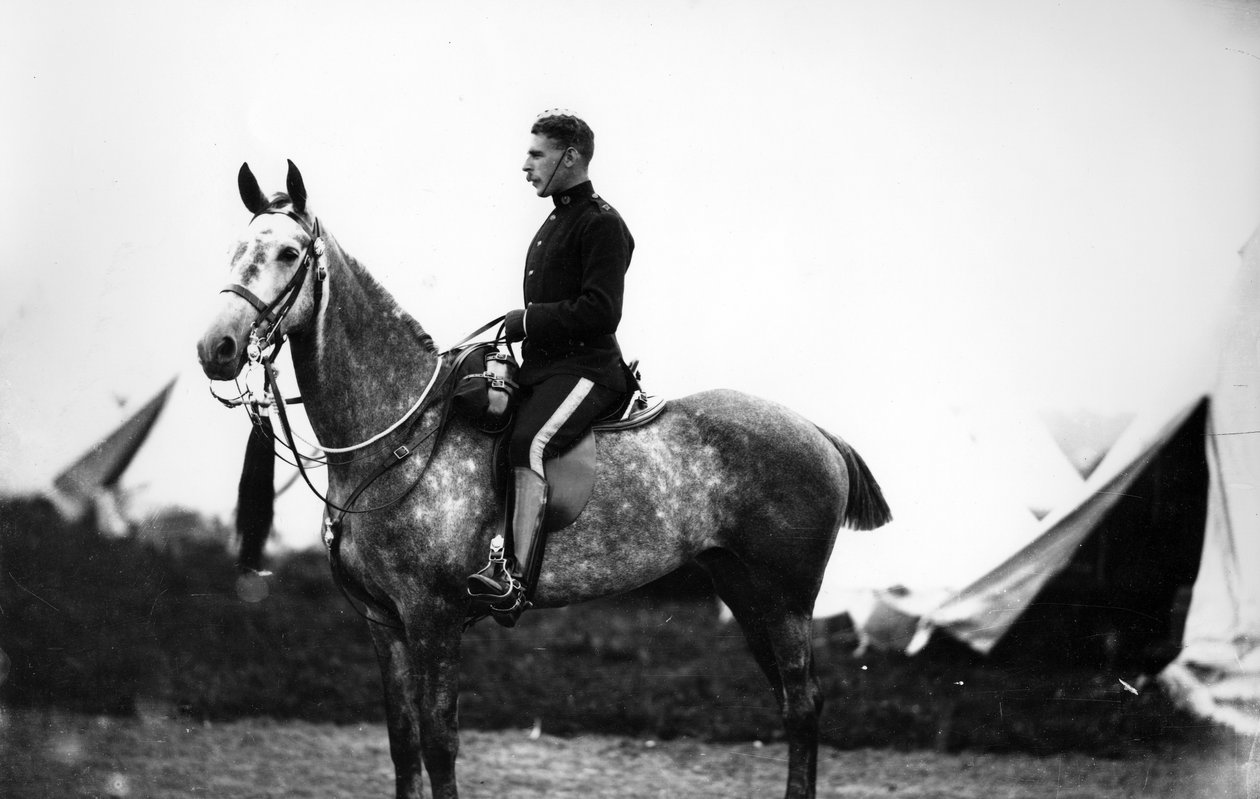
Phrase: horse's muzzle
x=221 y=357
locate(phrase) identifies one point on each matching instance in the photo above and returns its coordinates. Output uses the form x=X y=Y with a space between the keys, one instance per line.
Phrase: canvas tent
x=178 y=454
x=1217 y=672
x=91 y=483
x=983 y=611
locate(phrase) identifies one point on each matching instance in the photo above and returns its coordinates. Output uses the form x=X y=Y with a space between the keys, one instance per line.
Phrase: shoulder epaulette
x=600 y=202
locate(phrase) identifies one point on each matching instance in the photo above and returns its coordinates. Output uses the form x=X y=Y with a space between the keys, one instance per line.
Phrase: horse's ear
x=251 y=195
x=297 y=189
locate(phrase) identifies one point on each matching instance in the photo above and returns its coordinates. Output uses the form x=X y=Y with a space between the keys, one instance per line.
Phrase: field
x=61 y=755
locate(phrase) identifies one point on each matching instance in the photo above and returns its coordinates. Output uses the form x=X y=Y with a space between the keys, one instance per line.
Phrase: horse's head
x=273 y=276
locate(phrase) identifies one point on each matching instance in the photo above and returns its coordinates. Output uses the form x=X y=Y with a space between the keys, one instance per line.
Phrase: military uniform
x=574 y=277
x=573 y=284
x=571 y=374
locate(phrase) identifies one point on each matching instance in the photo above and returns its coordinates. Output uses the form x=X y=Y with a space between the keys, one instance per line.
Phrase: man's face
x=543 y=166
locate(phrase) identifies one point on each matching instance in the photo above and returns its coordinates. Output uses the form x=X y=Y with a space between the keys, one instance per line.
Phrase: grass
x=46 y=754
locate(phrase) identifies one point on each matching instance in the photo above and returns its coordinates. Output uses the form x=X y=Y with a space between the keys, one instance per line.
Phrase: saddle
x=571 y=474
x=570 y=480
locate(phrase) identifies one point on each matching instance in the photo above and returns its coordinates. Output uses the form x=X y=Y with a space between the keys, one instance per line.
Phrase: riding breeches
x=554 y=415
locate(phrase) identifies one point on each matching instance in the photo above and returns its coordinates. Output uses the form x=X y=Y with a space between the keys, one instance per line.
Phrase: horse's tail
x=255 y=497
x=866 y=508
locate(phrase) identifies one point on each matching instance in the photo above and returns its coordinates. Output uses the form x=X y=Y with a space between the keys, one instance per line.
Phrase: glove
x=514 y=325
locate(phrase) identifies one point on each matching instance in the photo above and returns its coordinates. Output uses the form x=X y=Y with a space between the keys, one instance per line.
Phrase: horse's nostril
x=226 y=350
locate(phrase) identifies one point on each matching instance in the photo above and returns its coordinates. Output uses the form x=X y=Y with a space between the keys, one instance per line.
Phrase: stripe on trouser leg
x=557 y=420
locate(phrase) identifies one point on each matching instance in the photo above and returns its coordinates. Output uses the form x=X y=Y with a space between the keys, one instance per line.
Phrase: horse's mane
x=375 y=286
x=281 y=200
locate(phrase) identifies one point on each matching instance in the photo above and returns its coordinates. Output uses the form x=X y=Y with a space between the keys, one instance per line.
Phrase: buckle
x=253 y=351
x=402 y=452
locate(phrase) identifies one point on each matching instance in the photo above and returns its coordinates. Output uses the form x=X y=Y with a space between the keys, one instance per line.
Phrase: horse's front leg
x=420 y=671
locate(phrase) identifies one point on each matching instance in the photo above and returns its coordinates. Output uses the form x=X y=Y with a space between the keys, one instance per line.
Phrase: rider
x=571 y=366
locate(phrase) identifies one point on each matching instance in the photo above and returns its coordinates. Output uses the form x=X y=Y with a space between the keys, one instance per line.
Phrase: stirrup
x=511 y=600
x=486 y=583
x=512 y=597
x=505 y=608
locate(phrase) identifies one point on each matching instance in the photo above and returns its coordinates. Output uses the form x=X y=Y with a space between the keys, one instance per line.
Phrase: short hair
x=567 y=131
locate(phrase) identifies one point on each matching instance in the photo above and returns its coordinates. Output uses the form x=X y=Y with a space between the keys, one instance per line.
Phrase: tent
x=91 y=483
x=1217 y=673
x=175 y=459
x=1217 y=670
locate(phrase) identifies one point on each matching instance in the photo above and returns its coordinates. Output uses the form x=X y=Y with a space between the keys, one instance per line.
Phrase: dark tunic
x=574 y=281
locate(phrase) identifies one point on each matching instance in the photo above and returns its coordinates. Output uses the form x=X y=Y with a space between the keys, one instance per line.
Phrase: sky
x=884 y=215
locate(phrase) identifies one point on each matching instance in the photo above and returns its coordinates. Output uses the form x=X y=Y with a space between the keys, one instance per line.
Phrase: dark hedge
x=97 y=625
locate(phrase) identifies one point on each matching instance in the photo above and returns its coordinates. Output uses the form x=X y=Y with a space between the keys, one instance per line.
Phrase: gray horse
x=751 y=491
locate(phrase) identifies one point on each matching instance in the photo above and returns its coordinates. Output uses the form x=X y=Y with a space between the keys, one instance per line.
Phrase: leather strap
x=478 y=332
x=247 y=295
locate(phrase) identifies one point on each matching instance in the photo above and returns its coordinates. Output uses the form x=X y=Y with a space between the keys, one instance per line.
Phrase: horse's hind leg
x=790 y=635
x=778 y=630
x=733 y=586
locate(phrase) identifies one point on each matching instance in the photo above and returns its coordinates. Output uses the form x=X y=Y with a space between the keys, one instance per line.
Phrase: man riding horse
x=747 y=489
x=572 y=371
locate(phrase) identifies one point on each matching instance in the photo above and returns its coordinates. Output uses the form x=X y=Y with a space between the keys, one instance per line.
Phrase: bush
x=97 y=625
x=79 y=629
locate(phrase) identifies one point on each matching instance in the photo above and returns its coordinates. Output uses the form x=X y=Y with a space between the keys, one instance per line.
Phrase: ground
x=51 y=754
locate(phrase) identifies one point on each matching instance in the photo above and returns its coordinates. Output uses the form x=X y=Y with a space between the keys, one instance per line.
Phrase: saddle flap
x=571 y=478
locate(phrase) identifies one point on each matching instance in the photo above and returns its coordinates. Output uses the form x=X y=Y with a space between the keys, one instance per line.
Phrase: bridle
x=273 y=313
x=270 y=316
x=265 y=342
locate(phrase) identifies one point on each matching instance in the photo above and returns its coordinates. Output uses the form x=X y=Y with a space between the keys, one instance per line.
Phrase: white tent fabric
x=1022 y=444
x=1218 y=672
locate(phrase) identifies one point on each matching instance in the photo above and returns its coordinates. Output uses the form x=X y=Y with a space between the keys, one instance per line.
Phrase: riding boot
x=504 y=589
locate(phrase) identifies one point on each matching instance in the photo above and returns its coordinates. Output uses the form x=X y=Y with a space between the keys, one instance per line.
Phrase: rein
x=446 y=367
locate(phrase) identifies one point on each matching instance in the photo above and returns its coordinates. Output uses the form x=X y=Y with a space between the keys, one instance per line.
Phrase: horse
x=748 y=489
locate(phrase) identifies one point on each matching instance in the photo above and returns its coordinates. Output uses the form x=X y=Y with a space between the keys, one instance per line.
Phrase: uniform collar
x=573 y=194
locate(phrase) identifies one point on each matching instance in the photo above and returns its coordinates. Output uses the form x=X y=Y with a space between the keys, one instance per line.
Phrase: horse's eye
x=288 y=254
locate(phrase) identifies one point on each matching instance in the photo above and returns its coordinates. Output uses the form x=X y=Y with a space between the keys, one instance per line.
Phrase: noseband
x=273 y=313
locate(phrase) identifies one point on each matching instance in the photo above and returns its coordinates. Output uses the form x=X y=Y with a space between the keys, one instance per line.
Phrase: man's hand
x=514 y=325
